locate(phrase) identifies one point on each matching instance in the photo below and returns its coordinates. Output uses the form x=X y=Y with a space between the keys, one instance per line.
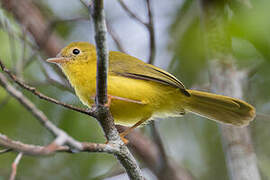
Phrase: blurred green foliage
x=250 y=32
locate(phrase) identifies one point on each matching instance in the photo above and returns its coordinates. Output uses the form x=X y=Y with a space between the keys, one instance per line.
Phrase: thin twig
x=20 y=62
x=86 y=3
x=148 y=25
x=34 y=150
x=12 y=47
x=115 y=37
x=54 y=82
x=14 y=166
x=3 y=151
x=151 y=30
x=37 y=113
x=162 y=163
x=163 y=160
x=42 y=96
x=149 y=153
x=5 y=25
x=131 y=14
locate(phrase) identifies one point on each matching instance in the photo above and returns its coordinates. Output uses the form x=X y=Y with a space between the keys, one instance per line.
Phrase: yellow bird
x=140 y=92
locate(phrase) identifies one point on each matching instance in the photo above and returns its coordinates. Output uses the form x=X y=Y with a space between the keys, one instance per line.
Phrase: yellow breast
x=153 y=96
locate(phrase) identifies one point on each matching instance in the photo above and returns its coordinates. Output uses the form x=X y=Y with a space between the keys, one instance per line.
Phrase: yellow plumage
x=140 y=91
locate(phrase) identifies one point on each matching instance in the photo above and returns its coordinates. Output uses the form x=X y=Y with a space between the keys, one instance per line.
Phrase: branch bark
x=151 y=31
x=149 y=153
x=131 y=14
x=227 y=80
x=148 y=25
x=14 y=166
x=34 y=150
x=42 y=96
x=237 y=143
x=103 y=113
x=65 y=138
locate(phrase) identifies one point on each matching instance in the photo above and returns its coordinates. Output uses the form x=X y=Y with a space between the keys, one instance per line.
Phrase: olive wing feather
x=138 y=69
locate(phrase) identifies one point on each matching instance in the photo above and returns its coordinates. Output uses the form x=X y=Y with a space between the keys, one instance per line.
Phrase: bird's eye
x=76 y=51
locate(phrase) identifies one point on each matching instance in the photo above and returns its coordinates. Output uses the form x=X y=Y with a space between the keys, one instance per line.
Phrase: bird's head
x=74 y=53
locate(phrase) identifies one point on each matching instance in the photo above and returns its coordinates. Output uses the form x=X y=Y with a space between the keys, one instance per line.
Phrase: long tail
x=220 y=108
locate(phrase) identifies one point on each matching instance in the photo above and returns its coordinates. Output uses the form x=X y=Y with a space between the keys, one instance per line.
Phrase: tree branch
x=149 y=152
x=148 y=25
x=2 y=151
x=38 y=114
x=115 y=37
x=151 y=31
x=163 y=159
x=98 y=15
x=14 y=166
x=237 y=143
x=227 y=80
x=103 y=113
x=34 y=150
x=42 y=96
x=131 y=14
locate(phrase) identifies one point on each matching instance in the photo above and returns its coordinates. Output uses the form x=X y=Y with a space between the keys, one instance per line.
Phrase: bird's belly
x=153 y=100
x=150 y=99
x=127 y=114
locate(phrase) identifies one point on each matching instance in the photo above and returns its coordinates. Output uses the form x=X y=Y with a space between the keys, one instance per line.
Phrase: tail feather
x=220 y=108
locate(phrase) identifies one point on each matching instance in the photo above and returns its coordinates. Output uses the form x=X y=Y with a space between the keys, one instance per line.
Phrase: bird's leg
x=127 y=131
x=109 y=101
x=111 y=97
x=123 y=134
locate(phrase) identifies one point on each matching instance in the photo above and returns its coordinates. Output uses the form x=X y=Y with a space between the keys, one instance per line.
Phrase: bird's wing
x=137 y=69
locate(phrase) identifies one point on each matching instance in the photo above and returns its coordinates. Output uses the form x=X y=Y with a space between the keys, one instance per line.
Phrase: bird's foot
x=125 y=141
x=109 y=101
